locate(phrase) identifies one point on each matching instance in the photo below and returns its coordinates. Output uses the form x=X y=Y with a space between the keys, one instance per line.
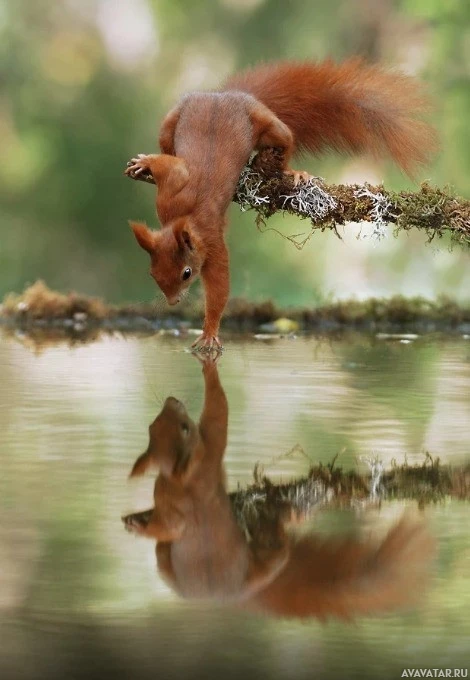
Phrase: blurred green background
x=85 y=83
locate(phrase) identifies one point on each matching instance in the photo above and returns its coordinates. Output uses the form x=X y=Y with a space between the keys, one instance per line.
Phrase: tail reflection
x=202 y=552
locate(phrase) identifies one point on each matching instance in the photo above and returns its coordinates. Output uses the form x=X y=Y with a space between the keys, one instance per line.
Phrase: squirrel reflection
x=202 y=551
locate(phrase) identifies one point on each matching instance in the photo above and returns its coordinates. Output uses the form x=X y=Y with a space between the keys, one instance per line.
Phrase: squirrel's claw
x=206 y=343
x=298 y=175
x=133 y=525
x=208 y=360
x=137 y=165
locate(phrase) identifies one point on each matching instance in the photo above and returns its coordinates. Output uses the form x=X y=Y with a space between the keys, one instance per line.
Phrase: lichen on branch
x=263 y=187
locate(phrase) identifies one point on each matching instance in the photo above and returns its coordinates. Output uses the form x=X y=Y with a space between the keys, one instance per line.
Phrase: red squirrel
x=207 y=139
x=203 y=552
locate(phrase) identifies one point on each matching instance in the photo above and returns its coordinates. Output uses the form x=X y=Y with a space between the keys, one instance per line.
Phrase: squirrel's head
x=173 y=438
x=175 y=259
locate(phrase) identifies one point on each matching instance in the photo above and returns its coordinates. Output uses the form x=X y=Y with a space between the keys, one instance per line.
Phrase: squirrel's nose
x=173 y=300
x=171 y=401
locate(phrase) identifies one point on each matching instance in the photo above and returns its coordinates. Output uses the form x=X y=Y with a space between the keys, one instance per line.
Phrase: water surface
x=74 y=586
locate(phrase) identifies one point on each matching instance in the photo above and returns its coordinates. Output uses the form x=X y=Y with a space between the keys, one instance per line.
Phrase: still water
x=80 y=597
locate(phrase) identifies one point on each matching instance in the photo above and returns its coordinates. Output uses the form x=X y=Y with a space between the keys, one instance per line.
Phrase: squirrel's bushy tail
x=348 y=578
x=350 y=107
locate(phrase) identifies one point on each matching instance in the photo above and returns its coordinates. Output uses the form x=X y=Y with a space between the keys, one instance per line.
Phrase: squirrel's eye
x=187 y=273
x=185 y=429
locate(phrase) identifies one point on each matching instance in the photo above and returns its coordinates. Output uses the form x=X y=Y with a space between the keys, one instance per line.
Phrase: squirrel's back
x=350 y=107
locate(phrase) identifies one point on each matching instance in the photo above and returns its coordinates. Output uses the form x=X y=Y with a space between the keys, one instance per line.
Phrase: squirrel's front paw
x=136 y=523
x=207 y=359
x=206 y=343
x=138 y=165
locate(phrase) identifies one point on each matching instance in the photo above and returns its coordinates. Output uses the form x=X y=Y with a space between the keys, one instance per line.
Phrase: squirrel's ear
x=145 y=236
x=141 y=465
x=183 y=236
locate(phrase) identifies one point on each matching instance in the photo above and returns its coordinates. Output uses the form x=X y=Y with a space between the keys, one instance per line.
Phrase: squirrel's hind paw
x=138 y=165
x=299 y=176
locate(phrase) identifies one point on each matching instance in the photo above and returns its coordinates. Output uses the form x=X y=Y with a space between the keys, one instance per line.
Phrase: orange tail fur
x=347 y=578
x=350 y=107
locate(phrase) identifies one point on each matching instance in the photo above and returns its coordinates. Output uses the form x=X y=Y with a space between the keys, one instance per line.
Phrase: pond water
x=80 y=597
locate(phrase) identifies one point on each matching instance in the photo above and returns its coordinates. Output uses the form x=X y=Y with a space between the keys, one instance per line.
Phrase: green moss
x=45 y=317
x=435 y=211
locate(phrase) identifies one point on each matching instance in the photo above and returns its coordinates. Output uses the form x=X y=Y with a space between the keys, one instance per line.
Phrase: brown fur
x=208 y=137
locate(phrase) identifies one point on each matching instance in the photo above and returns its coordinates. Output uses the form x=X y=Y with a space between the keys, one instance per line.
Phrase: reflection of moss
x=429 y=482
x=261 y=505
x=327 y=485
x=43 y=316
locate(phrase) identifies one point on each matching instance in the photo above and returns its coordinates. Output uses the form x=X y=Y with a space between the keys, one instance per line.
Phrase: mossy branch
x=263 y=188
